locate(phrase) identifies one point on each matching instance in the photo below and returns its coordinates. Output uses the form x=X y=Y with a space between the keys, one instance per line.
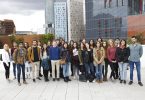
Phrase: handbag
x=63 y=61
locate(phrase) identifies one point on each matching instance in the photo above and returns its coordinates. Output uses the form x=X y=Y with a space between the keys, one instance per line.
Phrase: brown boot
x=101 y=81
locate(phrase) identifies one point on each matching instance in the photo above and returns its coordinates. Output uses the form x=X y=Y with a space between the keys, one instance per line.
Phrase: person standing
x=28 y=68
x=6 y=60
x=88 y=62
x=106 y=62
x=40 y=46
x=34 y=59
x=98 y=54
x=14 y=64
x=65 y=56
x=19 y=56
x=45 y=61
x=122 y=54
x=136 y=51
x=54 y=53
x=111 y=51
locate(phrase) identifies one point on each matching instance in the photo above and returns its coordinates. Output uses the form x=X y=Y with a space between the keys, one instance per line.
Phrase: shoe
x=65 y=79
x=68 y=79
x=25 y=82
x=53 y=79
x=130 y=83
x=40 y=75
x=46 y=80
x=124 y=82
x=100 y=81
x=38 y=78
x=140 y=83
x=88 y=81
x=19 y=83
x=34 y=80
x=94 y=81
x=57 y=79
x=121 y=81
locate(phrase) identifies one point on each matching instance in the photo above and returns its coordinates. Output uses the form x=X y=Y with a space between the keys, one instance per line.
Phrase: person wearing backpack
x=19 y=56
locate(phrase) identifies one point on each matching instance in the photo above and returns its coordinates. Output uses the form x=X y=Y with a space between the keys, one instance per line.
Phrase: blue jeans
x=99 y=71
x=137 y=69
x=89 y=68
x=19 y=68
x=14 y=69
x=66 y=69
x=123 y=70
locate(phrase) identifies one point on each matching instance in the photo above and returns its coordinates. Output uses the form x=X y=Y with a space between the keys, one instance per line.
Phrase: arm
x=29 y=54
x=103 y=56
x=94 y=56
x=141 y=51
x=15 y=56
x=108 y=55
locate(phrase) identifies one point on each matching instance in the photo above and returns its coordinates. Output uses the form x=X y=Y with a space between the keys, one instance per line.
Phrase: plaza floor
x=73 y=90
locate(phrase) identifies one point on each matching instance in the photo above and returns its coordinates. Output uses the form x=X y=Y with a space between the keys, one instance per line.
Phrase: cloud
x=24 y=7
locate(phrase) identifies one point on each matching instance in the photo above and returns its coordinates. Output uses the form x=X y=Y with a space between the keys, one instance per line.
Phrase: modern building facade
x=60 y=15
x=67 y=19
x=108 y=18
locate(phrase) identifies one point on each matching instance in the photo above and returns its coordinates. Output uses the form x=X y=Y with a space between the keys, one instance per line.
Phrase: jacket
x=5 y=57
x=65 y=54
x=18 y=58
x=122 y=54
x=31 y=54
x=96 y=56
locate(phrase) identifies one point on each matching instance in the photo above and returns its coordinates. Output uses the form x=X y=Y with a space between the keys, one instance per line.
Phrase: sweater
x=54 y=53
x=136 y=51
x=5 y=57
x=111 y=51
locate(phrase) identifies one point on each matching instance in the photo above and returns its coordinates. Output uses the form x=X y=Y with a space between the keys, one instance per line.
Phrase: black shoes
x=124 y=82
x=140 y=83
x=65 y=79
x=130 y=83
x=121 y=81
x=53 y=79
x=68 y=79
x=34 y=80
x=38 y=78
x=57 y=79
x=40 y=75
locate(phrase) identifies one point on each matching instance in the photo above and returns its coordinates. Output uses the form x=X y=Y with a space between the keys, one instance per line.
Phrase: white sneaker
x=94 y=81
x=88 y=81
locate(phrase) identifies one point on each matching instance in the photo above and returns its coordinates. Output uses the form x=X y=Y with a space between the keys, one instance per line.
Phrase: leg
x=58 y=67
x=121 y=70
x=100 y=73
x=106 y=67
x=14 y=69
x=18 y=72
x=125 y=71
x=131 y=70
x=97 y=78
x=23 y=72
x=64 y=70
x=53 y=68
x=37 y=68
x=138 y=71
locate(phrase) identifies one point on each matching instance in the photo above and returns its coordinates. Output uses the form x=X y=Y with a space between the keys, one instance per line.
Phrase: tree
x=17 y=40
x=46 y=37
x=1 y=45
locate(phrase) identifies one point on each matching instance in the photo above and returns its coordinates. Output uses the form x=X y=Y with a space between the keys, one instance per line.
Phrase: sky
x=28 y=15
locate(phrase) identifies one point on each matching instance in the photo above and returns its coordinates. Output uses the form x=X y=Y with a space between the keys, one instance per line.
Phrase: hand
x=114 y=61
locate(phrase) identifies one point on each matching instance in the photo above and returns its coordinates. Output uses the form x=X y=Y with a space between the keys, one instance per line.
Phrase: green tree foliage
x=46 y=37
x=14 y=39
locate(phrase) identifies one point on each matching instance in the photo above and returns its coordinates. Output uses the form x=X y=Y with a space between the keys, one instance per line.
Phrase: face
x=57 y=42
x=71 y=42
x=75 y=45
x=34 y=43
x=123 y=43
x=15 y=44
x=87 y=45
x=133 y=40
x=104 y=44
x=98 y=44
x=39 y=43
x=20 y=45
x=91 y=42
x=44 y=46
x=111 y=43
x=6 y=47
x=65 y=45
x=54 y=43
x=26 y=44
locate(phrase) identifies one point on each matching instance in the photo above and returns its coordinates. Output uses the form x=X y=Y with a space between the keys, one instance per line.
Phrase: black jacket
x=122 y=54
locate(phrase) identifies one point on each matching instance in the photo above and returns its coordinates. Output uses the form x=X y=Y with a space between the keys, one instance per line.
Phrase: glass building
x=106 y=18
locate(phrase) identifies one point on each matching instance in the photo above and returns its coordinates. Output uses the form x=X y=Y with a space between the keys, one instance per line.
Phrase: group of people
x=83 y=61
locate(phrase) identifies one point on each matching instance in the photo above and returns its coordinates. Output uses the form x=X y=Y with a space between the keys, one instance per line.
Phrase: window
x=105 y=2
x=117 y=3
x=122 y=2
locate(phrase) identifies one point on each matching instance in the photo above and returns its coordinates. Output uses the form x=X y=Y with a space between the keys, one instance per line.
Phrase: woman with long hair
x=111 y=51
x=98 y=54
x=6 y=60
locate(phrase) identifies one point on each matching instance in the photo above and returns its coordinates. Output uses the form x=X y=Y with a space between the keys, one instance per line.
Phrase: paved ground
x=73 y=90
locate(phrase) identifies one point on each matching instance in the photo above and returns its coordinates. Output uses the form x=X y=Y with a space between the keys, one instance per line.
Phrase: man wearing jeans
x=20 y=58
x=54 y=52
x=34 y=59
x=136 y=52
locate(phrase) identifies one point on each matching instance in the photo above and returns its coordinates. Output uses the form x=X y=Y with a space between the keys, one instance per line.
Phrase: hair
x=34 y=41
x=100 y=38
x=98 y=42
x=93 y=43
x=109 y=42
x=133 y=37
x=124 y=41
x=64 y=44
